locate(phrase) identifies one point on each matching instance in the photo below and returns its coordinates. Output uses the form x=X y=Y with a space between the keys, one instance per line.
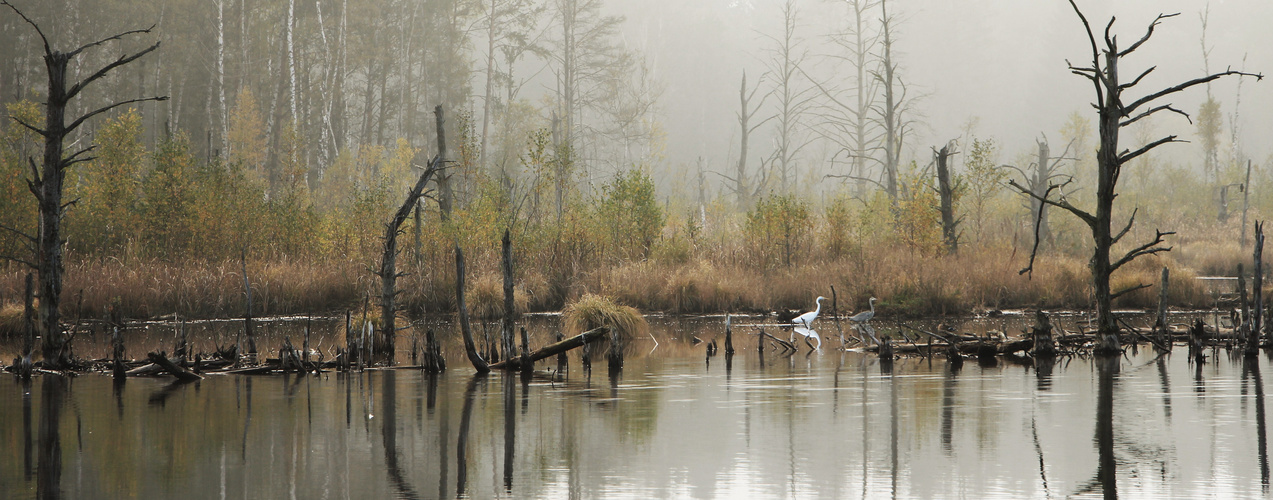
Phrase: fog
x=996 y=68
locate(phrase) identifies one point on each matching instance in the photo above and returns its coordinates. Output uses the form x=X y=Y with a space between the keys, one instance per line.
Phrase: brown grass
x=10 y=319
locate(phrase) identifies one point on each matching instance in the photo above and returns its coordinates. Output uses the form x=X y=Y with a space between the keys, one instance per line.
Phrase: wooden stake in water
x=305 y=345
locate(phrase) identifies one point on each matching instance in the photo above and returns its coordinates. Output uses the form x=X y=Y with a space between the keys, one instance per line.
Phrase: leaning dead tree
x=388 y=272
x=1115 y=113
x=46 y=180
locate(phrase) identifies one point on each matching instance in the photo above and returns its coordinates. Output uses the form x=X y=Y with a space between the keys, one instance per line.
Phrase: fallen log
x=181 y=373
x=144 y=370
x=550 y=350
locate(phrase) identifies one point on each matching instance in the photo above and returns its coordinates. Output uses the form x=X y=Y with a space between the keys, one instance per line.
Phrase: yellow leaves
x=247 y=135
x=106 y=218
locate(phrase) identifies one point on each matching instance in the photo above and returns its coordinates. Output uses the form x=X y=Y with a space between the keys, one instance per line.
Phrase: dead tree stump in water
x=1197 y=341
x=526 y=367
x=1044 y=344
x=1161 y=331
x=1257 y=281
x=563 y=362
x=433 y=361
x=28 y=329
x=729 y=338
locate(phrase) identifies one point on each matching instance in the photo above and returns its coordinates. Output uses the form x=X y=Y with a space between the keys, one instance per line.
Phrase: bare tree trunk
x=490 y=79
x=291 y=57
x=510 y=313
x=46 y=181
x=1253 y=341
x=946 y=190
x=222 y=113
x=446 y=196
x=1039 y=185
x=891 y=118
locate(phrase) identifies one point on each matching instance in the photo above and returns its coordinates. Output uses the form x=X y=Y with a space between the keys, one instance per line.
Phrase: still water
x=674 y=424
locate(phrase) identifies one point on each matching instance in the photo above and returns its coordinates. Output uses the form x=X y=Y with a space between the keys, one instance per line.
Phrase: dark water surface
x=672 y=425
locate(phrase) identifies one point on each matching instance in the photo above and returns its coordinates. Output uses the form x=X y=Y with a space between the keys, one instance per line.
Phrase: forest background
x=614 y=140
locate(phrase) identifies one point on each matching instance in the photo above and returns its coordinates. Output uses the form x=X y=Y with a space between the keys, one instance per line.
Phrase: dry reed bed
x=908 y=284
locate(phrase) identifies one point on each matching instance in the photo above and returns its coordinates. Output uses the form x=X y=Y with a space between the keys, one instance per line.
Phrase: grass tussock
x=10 y=319
x=486 y=297
x=594 y=311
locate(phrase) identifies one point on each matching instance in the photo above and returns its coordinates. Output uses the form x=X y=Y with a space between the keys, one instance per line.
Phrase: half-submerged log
x=561 y=347
x=161 y=359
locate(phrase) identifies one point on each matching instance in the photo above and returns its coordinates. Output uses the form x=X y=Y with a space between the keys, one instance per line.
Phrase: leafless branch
x=1126 y=156
x=86 y=46
x=80 y=121
x=1196 y=81
x=47 y=49
x=1038 y=223
x=17 y=232
x=1137 y=80
x=1126 y=228
x=1148 y=33
x=20 y=261
x=1062 y=204
x=1165 y=107
x=1126 y=291
x=1146 y=249
x=33 y=128
x=75 y=89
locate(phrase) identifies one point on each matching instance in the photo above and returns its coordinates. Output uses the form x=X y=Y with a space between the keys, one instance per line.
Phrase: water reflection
x=831 y=425
x=49 y=468
x=1251 y=368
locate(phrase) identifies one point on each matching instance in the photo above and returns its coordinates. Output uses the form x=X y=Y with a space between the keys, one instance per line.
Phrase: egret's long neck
x=872 y=307
x=818 y=309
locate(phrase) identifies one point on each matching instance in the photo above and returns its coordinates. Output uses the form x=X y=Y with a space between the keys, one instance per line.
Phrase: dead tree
x=1257 y=310
x=470 y=347
x=1038 y=180
x=947 y=189
x=388 y=272
x=510 y=312
x=1115 y=114
x=740 y=183
x=46 y=181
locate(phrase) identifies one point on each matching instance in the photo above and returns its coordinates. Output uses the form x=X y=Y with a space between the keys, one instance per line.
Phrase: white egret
x=806 y=319
x=864 y=316
x=809 y=333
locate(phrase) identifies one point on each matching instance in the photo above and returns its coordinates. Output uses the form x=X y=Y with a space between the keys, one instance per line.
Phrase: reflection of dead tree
x=1115 y=114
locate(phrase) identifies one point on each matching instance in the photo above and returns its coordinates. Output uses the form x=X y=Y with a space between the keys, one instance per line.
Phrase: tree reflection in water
x=1251 y=368
x=49 y=468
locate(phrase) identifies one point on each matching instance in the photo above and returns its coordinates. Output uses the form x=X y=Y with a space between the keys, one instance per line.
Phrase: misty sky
x=1001 y=62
